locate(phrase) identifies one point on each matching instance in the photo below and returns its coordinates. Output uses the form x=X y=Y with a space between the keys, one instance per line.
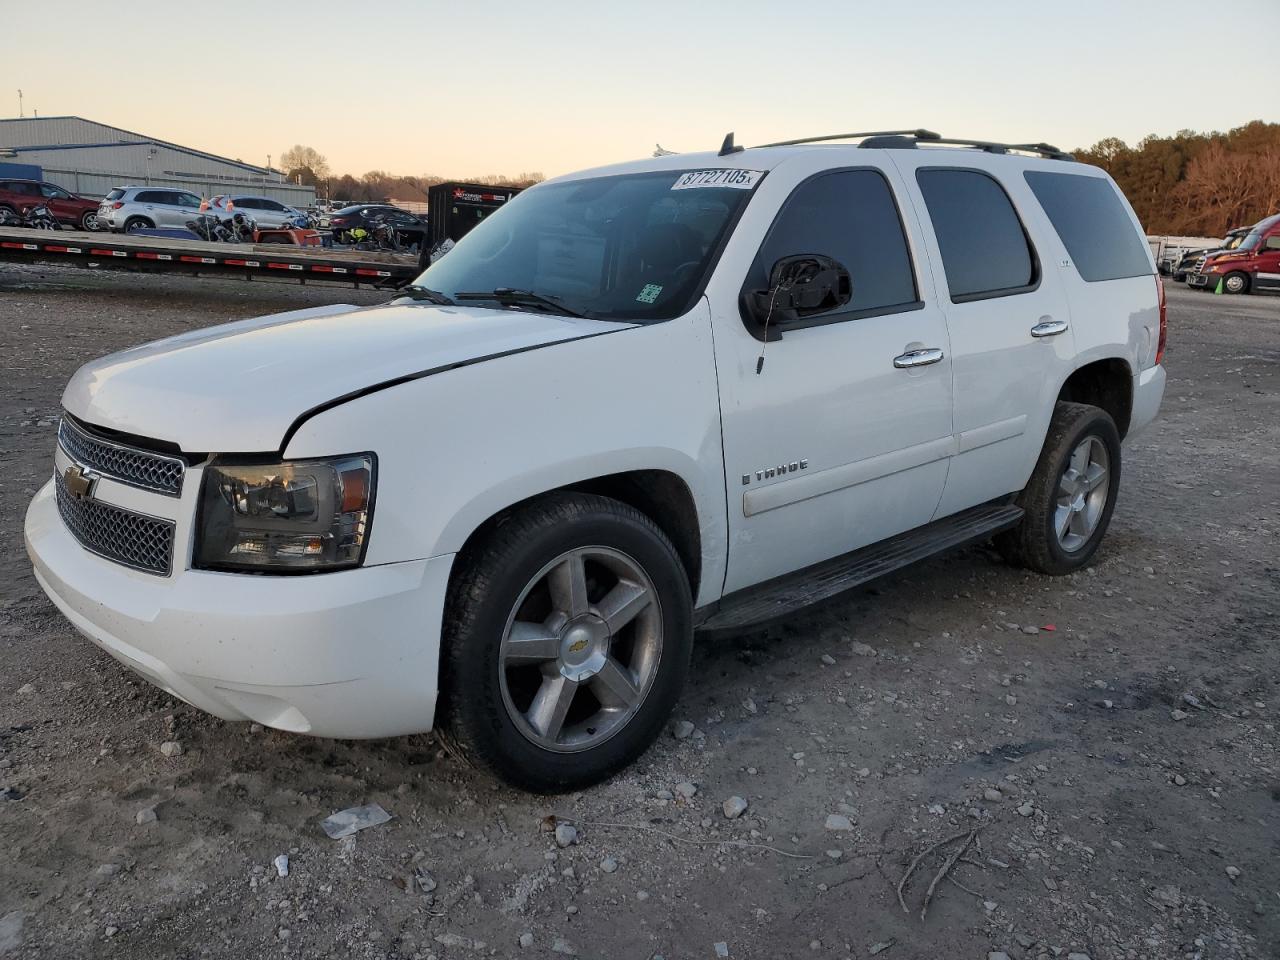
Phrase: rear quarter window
x=115 y=194
x=1093 y=224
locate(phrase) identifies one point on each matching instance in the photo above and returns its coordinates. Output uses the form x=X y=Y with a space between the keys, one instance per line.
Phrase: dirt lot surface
x=1110 y=736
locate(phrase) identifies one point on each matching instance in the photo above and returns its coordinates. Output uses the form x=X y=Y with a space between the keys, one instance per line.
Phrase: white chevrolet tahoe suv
x=697 y=392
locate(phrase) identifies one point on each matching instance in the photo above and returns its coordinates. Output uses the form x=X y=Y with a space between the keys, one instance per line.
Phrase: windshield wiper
x=416 y=292
x=507 y=296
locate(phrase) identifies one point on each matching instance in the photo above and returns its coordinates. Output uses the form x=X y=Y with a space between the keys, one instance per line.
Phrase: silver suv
x=126 y=209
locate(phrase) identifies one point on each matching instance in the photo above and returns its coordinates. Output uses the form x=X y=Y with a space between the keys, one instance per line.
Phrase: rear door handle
x=917 y=358
x=1049 y=328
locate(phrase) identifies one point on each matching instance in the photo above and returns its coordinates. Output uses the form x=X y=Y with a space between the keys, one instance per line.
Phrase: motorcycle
x=8 y=218
x=39 y=218
x=208 y=227
x=241 y=228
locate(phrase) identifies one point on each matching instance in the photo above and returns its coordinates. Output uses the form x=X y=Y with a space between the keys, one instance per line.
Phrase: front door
x=63 y=208
x=1267 y=272
x=842 y=437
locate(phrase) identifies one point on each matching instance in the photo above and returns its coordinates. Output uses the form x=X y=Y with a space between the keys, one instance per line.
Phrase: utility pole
x=20 y=113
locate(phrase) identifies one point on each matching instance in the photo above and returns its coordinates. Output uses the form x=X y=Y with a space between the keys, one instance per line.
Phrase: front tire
x=566 y=642
x=1070 y=497
x=90 y=222
x=134 y=224
x=1236 y=282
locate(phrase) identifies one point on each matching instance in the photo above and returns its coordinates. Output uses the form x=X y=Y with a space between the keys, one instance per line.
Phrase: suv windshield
x=627 y=247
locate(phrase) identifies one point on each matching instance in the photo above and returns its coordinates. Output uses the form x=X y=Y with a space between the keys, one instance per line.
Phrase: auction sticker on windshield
x=729 y=177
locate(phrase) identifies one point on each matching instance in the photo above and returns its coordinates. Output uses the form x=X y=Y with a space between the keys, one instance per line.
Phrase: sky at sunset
x=484 y=88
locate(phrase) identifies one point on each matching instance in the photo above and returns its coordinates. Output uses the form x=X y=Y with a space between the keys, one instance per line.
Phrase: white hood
x=240 y=386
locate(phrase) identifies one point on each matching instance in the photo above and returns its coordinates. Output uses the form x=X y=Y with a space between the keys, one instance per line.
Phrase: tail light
x=1164 y=322
x=337 y=221
x=117 y=205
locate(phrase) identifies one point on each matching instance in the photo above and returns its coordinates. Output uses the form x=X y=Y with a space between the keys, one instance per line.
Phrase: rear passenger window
x=851 y=216
x=985 y=250
x=1093 y=224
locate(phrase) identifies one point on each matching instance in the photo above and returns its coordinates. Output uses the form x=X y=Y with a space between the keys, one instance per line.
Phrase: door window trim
x=842 y=316
x=1037 y=273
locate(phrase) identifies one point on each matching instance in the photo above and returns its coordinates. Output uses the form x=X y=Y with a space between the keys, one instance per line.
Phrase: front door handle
x=917 y=358
x=1049 y=328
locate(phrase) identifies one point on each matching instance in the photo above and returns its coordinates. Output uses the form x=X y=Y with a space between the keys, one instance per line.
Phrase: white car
x=263 y=211
x=694 y=392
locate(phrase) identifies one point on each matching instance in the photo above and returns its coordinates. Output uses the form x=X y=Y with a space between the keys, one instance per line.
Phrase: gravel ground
x=1109 y=736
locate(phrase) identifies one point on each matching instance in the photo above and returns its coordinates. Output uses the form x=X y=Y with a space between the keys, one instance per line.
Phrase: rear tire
x=1236 y=282
x=1070 y=497
x=566 y=642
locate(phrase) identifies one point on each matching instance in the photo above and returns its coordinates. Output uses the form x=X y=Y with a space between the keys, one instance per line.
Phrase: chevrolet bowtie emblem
x=578 y=646
x=78 y=483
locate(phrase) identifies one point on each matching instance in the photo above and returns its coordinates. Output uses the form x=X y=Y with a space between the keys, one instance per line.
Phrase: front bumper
x=347 y=654
x=1201 y=279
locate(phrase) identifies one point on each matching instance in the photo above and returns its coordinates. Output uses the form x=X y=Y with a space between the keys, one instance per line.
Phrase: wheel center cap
x=584 y=647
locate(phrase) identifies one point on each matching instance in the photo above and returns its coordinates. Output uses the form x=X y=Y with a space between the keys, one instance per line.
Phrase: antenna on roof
x=728 y=146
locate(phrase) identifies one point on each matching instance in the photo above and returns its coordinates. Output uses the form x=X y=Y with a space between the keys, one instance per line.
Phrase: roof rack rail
x=909 y=139
x=1045 y=150
x=919 y=134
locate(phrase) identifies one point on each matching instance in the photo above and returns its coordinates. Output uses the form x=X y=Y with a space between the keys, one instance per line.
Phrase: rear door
x=61 y=204
x=833 y=443
x=249 y=206
x=156 y=205
x=270 y=213
x=1007 y=319
x=24 y=195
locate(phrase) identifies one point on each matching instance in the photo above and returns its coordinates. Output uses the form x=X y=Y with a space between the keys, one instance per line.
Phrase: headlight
x=296 y=515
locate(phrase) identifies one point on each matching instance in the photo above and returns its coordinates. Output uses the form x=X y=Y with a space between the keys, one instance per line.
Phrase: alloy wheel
x=581 y=649
x=1082 y=494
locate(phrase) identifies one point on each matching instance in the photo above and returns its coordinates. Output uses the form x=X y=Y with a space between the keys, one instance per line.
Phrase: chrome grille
x=132 y=539
x=138 y=468
x=1200 y=264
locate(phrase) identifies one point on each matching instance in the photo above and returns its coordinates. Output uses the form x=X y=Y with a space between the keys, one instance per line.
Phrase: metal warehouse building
x=91 y=158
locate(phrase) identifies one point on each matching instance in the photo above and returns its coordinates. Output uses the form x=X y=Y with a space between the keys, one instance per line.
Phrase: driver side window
x=850 y=216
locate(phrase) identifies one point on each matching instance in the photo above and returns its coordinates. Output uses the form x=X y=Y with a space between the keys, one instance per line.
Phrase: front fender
x=459 y=446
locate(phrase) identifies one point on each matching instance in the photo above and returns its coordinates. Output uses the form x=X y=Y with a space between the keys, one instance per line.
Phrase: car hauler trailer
x=200 y=258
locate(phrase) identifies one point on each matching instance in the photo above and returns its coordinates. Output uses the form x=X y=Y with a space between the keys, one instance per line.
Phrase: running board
x=792 y=592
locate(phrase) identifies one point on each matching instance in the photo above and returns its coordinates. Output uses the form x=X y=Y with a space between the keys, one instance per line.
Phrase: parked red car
x=73 y=211
x=1252 y=266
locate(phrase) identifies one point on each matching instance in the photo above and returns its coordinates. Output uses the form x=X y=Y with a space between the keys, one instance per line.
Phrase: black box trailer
x=454 y=208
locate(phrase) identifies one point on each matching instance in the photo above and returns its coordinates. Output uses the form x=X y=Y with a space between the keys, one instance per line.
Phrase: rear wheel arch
x=1106 y=384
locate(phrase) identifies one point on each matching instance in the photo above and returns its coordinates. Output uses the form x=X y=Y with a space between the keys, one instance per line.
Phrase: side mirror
x=799 y=286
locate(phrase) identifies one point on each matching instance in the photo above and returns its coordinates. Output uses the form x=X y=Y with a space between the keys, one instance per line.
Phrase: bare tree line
x=1197 y=184
x=307 y=165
